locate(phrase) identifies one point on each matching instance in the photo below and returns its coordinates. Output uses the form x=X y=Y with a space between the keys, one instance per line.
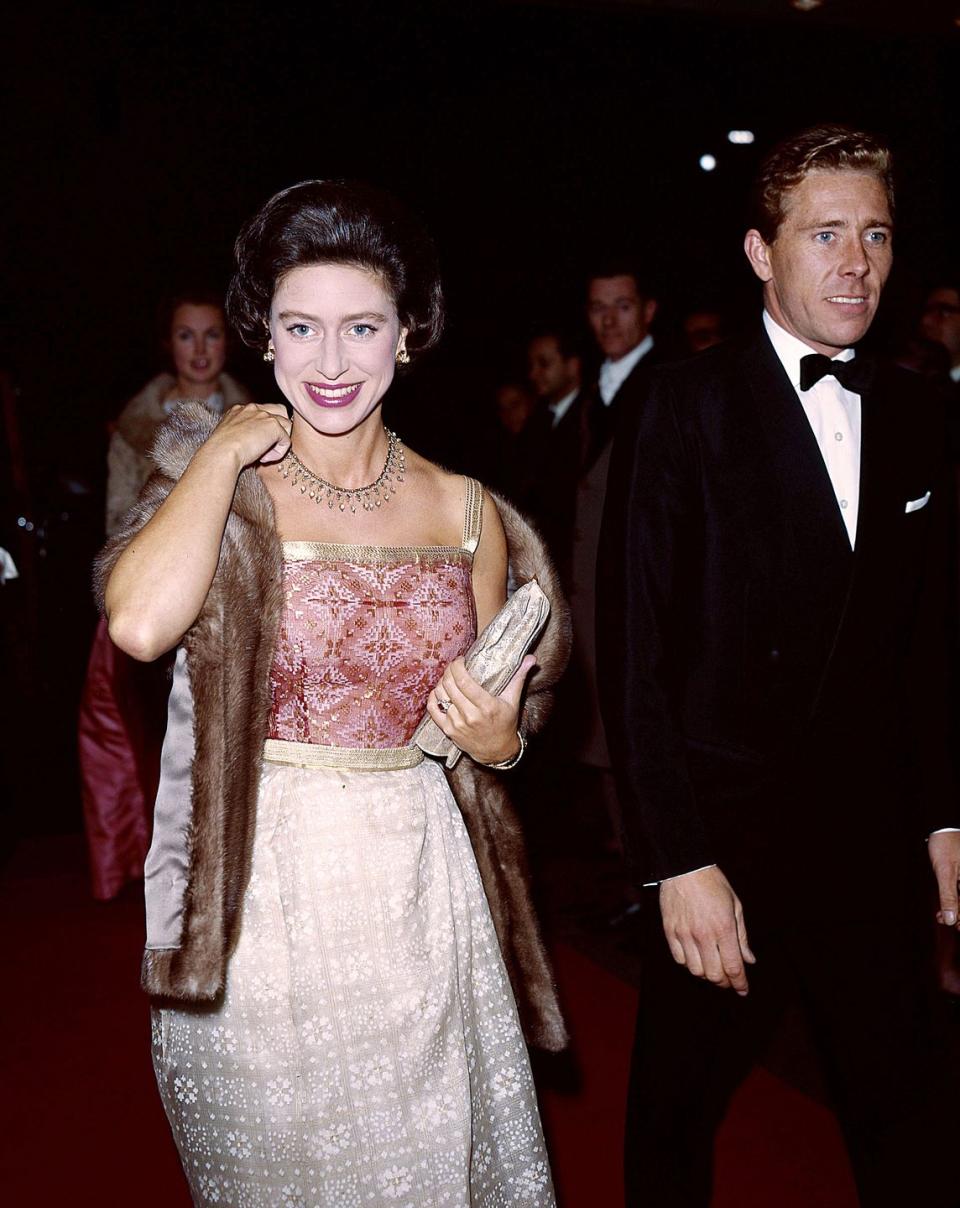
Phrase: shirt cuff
x=676 y=876
x=947 y=830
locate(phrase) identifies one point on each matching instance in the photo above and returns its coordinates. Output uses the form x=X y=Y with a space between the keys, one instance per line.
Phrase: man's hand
x=945 y=858
x=703 y=923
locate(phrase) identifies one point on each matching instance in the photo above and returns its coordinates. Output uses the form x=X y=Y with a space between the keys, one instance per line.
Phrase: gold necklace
x=368 y=497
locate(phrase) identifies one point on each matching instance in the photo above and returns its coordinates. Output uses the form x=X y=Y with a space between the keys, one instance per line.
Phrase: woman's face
x=335 y=332
x=198 y=343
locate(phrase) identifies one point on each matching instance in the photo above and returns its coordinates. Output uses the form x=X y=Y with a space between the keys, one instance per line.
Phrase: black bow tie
x=855 y=375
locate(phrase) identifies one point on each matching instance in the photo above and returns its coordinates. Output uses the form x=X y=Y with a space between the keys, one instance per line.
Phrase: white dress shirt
x=560 y=408
x=833 y=413
x=955 y=373
x=614 y=373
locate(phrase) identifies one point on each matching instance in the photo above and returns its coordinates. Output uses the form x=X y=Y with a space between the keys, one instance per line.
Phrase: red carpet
x=82 y=1124
x=777 y=1148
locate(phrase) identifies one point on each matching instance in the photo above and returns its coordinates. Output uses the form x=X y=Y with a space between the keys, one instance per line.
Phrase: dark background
x=531 y=137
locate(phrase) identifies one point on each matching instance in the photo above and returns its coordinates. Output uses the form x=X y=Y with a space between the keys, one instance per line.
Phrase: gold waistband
x=351 y=759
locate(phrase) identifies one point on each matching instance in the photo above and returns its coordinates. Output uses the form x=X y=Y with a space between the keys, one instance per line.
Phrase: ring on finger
x=443 y=705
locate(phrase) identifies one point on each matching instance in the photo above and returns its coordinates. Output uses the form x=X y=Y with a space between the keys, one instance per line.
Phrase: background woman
x=315 y=881
x=194 y=335
x=123 y=706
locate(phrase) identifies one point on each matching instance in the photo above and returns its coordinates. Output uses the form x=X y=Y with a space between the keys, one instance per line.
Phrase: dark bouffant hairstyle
x=821 y=148
x=336 y=222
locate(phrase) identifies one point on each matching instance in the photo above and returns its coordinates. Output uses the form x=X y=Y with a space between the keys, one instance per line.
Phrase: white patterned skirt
x=367 y=1051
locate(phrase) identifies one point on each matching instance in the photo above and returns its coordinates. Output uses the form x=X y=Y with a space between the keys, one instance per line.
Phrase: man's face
x=552 y=375
x=940 y=320
x=619 y=316
x=824 y=272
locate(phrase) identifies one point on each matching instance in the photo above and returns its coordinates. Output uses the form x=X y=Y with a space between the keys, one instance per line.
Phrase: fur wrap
x=128 y=457
x=229 y=651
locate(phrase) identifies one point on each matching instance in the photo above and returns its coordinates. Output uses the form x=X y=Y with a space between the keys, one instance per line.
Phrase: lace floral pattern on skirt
x=367 y=1053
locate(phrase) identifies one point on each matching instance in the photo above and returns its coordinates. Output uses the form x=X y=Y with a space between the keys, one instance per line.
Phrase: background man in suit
x=620 y=310
x=555 y=368
x=702 y=327
x=940 y=321
x=773 y=627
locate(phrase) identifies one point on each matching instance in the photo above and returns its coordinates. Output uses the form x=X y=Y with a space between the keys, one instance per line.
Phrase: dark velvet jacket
x=770 y=696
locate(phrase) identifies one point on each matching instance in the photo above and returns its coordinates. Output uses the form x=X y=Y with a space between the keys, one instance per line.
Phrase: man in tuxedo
x=775 y=653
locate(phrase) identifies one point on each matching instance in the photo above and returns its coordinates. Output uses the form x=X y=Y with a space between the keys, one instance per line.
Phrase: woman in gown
x=345 y=1034
x=120 y=724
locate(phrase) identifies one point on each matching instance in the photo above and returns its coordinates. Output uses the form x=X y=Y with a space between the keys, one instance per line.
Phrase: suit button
x=774 y=656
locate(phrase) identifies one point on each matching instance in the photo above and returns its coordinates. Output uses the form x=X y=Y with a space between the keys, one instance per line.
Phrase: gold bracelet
x=506 y=764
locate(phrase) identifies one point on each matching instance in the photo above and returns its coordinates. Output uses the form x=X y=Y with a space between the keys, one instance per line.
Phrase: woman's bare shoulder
x=451 y=484
x=441 y=494
x=430 y=471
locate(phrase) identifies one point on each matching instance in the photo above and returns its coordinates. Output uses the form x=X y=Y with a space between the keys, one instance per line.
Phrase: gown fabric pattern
x=367 y=1051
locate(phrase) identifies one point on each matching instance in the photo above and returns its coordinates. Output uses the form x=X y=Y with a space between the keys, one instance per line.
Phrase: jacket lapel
x=877 y=494
x=798 y=479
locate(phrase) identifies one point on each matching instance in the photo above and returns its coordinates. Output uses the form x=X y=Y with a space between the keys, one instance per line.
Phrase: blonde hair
x=823 y=149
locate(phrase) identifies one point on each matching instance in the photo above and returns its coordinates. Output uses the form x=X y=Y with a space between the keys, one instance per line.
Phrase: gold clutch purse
x=493 y=659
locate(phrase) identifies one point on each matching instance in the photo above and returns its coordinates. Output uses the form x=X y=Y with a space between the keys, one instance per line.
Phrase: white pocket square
x=914 y=505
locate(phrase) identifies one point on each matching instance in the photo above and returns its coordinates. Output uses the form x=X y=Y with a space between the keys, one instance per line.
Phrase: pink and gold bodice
x=366 y=633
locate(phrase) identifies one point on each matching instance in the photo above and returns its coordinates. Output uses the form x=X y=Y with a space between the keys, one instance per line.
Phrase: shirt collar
x=615 y=373
x=790 y=350
x=560 y=408
x=955 y=373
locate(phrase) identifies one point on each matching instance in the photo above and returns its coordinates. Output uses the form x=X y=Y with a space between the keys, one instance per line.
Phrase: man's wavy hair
x=336 y=222
x=819 y=149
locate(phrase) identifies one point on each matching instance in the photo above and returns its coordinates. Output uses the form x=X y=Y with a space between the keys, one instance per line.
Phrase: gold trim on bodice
x=330 y=551
x=351 y=759
x=326 y=551
x=472 y=515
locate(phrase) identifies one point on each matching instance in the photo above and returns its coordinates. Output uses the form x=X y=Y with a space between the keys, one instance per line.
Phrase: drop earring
x=269 y=355
x=403 y=357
